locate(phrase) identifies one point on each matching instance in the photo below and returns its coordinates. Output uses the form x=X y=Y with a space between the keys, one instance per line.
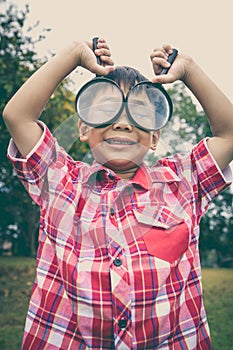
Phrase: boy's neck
x=126 y=174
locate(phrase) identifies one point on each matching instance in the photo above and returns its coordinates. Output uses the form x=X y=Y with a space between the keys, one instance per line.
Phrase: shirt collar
x=100 y=175
x=144 y=177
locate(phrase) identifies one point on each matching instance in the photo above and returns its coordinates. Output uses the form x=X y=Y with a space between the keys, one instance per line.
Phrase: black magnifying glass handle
x=171 y=59
x=95 y=42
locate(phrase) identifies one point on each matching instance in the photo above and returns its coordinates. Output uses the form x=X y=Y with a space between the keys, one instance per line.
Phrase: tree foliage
x=216 y=242
x=19 y=219
x=17 y=61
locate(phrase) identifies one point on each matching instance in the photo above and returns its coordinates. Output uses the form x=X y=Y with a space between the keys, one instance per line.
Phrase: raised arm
x=25 y=107
x=216 y=105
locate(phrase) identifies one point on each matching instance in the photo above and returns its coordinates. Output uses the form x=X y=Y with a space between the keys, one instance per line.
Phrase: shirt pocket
x=166 y=236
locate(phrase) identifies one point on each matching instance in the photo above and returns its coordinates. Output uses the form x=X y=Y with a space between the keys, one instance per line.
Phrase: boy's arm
x=25 y=107
x=217 y=107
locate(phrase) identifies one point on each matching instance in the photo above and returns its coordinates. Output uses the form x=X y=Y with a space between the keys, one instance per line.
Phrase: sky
x=202 y=29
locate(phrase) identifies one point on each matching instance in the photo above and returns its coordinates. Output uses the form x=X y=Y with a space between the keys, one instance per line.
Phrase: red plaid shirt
x=118 y=263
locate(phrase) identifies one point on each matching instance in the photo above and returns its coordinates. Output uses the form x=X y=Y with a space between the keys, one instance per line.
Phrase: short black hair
x=127 y=76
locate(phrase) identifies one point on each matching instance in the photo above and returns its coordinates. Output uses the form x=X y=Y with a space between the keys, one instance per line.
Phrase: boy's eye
x=138 y=111
x=109 y=108
x=108 y=111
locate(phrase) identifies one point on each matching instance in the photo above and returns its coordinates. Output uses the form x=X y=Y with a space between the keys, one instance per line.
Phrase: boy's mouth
x=120 y=141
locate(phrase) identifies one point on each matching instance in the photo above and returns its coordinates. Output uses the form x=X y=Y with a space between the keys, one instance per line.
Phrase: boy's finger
x=167 y=48
x=103 y=45
x=158 y=54
x=103 y=52
x=101 y=70
x=163 y=79
x=162 y=62
x=107 y=60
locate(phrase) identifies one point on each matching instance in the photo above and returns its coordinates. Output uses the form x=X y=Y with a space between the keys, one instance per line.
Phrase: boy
x=118 y=264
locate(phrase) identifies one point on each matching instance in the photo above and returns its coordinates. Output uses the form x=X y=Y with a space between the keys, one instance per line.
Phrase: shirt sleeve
x=208 y=179
x=32 y=170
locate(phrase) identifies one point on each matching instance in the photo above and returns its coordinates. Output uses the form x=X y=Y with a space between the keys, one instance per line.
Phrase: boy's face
x=120 y=146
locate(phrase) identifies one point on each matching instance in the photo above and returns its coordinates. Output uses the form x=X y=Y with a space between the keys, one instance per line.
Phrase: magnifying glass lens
x=99 y=103
x=149 y=106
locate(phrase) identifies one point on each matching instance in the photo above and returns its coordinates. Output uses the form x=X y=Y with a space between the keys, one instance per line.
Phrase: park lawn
x=218 y=300
x=16 y=279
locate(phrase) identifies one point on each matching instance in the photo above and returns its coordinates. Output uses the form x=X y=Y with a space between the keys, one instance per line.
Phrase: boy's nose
x=123 y=123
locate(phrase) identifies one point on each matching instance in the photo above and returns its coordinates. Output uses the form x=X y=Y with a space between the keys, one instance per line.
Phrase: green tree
x=19 y=218
x=217 y=224
x=216 y=231
x=17 y=60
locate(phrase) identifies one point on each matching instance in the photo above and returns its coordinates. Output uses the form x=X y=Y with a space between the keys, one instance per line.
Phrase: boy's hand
x=177 y=71
x=87 y=57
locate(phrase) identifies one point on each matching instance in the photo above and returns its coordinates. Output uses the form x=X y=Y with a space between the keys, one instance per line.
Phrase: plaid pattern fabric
x=118 y=264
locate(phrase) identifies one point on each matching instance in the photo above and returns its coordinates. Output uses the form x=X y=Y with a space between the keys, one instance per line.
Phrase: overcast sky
x=201 y=28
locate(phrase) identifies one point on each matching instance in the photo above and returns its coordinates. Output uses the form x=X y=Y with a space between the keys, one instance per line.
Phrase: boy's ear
x=83 y=131
x=155 y=139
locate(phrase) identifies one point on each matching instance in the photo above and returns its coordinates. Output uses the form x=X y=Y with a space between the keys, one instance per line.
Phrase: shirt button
x=117 y=262
x=112 y=211
x=122 y=323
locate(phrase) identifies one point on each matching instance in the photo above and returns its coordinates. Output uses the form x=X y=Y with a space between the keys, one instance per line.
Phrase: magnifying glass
x=101 y=101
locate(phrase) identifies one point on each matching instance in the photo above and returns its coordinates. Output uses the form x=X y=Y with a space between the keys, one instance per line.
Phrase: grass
x=16 y=279
x=218 y=299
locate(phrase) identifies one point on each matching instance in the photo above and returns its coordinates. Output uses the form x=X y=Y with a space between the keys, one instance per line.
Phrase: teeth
x=118 y=142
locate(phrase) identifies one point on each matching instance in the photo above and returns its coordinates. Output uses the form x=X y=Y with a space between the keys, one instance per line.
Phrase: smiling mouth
x=120 y=142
